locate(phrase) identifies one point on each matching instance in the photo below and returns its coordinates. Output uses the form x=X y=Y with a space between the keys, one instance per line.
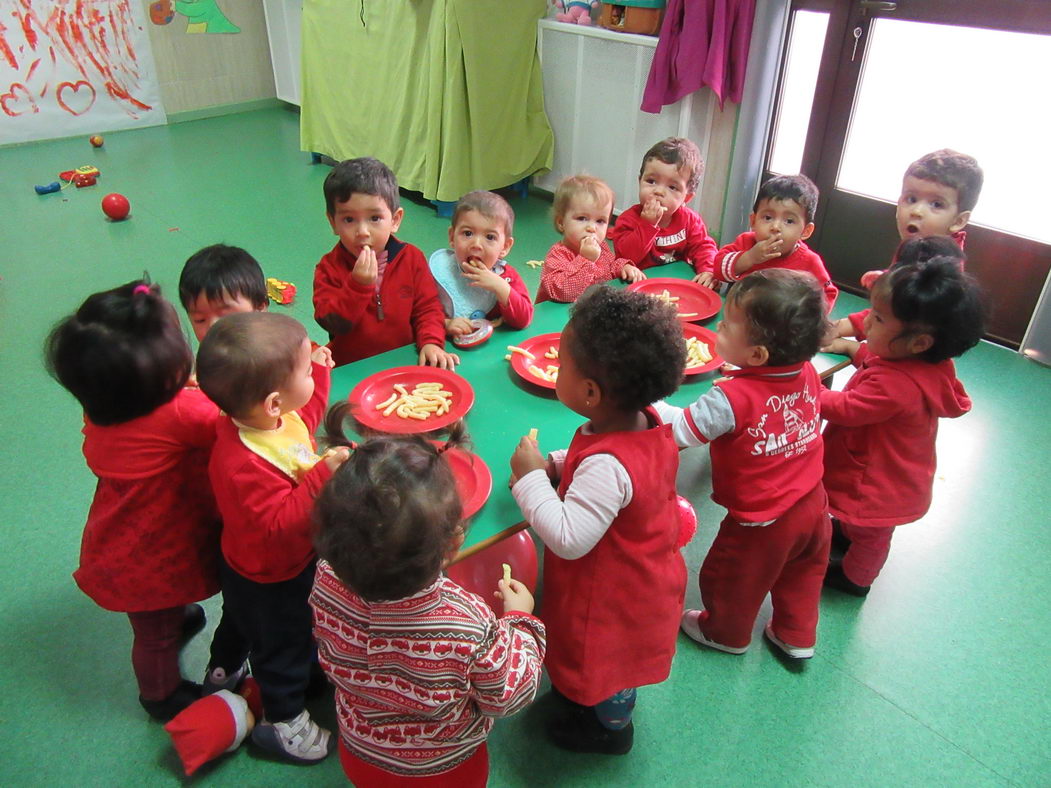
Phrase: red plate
x=693 y=298
x=538 y=346
x=474 y=481
x=708 y=337
x=378 y=387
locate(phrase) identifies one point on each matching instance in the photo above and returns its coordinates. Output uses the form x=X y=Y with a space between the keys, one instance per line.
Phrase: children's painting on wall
x=75 y=66
x=202 y=16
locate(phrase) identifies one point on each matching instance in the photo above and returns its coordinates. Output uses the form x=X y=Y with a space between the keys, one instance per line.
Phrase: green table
x=506 y=408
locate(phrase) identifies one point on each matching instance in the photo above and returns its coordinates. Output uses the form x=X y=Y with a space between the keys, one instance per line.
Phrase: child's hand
x=515 y=595
x=335 y=457
x=842 y=328
x=842 y=347
x=590 y=248
x=631 y=273
x=760 y=253
x=458 y=326
x=433 y=356
x=478 y=275
x=706 y=279
x=365 y=269
x=652 y=211
x=526 y=458
x=868 y=279
x=323 y=356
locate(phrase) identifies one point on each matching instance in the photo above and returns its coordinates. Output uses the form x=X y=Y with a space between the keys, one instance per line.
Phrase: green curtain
x=447 y=92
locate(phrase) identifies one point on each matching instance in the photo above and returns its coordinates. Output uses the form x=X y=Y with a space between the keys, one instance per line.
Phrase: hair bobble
x=444 y=447
x=141 y=289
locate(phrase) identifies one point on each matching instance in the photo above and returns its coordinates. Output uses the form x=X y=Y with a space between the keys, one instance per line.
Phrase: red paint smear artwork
x=92 y=37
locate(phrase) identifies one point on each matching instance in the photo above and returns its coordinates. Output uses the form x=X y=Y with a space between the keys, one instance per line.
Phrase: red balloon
x=687 y=521
x=479 y=573
x=116 y=206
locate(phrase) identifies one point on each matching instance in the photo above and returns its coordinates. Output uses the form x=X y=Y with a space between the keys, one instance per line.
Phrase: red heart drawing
x=18 y=101
x=80 y=100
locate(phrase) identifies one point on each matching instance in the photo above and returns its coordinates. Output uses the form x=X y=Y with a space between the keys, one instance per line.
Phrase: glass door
x=897 y=80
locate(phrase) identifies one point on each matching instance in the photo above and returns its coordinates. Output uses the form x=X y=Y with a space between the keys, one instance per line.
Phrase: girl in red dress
x=151 y=541
x=614 y=579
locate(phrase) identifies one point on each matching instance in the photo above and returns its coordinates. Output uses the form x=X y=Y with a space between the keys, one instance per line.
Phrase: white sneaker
x=795 y=652
x=299 y=739
x=690 y=626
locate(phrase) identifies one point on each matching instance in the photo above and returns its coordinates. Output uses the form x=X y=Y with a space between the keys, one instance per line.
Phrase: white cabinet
x=593 y=84
x=283 y=22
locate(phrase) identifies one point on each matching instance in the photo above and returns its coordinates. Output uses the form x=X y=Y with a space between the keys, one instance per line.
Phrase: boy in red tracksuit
x=372 y=292
x=938 y=193
x=782 y=219
x=762 y=423
x=258 y=367
x=882 y=428
x=662 y=228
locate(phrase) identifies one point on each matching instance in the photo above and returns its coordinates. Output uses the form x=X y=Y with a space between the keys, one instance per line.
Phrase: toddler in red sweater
x=762 y=424
x=782 y=219
x=372 y=292
x=582 y=207
x=882 y=428
x=220 y=280
x=260 y=369
x=938 y=193
x=474 y=280
x=662 y=228
x=151 y=542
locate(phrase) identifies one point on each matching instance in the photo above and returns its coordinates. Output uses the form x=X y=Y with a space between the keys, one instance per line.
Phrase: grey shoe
x=300 y=739
x=218 y=679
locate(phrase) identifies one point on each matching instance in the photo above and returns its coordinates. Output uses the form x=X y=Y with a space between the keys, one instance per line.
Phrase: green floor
x=941 y=677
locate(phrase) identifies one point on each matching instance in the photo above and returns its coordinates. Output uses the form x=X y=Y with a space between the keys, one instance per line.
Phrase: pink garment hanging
x=702 y=42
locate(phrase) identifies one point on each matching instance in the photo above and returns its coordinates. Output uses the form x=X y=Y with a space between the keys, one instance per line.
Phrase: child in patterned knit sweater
x=151 y=542
x=582 y=208
x=420 y=665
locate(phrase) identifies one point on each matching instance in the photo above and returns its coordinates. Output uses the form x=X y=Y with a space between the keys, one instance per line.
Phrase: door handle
x=877 y=5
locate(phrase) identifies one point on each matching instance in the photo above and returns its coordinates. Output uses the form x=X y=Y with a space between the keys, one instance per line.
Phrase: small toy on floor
x=96 y=141
x=116 y=206
x=283 y=293
x=214 y=725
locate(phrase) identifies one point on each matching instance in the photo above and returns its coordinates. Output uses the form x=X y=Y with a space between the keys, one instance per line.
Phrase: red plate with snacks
x=695 y=302
x=474 y=481
x=373 y=396
x=535 y=370
x=701 y=334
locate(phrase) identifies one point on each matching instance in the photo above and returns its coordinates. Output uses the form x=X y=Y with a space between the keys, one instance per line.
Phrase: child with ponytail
x=151 y=543
x=420 y=665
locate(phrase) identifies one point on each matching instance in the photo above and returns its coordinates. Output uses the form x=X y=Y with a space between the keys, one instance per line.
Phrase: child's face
x=583 y=218
x=479 y=237
x=666 y=184
x=732 y=343
x=784 y=219
x=571 y=385
x=299 y=388
x=203 y=313
x=883 y=331
x=928 y=208
x=364 y=220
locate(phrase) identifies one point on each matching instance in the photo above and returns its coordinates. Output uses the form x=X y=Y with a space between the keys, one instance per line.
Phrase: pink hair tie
x=140 y=289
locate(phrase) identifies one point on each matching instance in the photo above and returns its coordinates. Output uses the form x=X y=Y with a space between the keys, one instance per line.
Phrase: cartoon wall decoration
x=75 y=67
x=202 y=16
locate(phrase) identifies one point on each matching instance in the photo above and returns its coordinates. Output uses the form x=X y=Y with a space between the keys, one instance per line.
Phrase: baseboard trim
x=224 y=109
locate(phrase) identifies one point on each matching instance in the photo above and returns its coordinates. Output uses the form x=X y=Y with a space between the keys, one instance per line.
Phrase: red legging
x=868 y=551
x=786 y=559
x=155 y=650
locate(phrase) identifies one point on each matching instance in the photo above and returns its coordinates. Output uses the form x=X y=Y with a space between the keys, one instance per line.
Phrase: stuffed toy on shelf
x=575 y=11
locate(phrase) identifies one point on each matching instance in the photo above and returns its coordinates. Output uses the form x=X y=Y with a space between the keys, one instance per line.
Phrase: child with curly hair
x=420 y=665
x=610 y=530
x=762 y=424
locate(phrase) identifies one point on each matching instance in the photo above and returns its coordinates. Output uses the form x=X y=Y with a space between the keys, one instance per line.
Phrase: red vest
x=613 y=614
x=774 y=456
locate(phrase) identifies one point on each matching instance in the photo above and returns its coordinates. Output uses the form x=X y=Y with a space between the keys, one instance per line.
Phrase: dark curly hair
x=630 y=343
x=390 y=515
x=122 y=354
x=361 y=176
x=935 y=297
x=683 y=154
x=955 y=170
x=920 y=250
x=798 y=188
x=220 y=270
x=785 y=311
